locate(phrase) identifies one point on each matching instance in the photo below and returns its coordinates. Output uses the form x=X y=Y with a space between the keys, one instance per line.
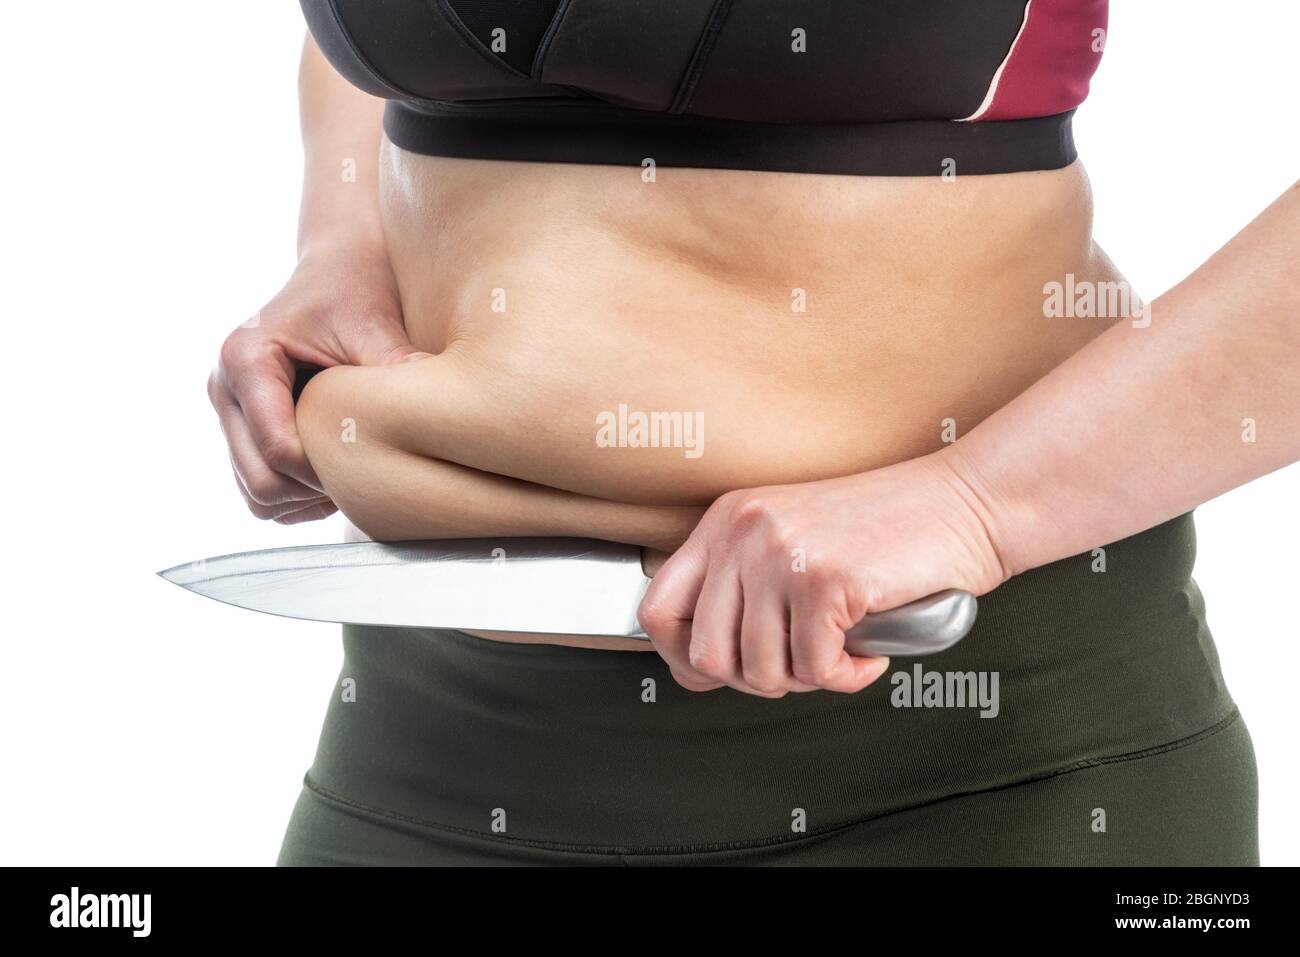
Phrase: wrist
x=351 y=227
x=352 y=244
x=348 y=277
x=1000 y=516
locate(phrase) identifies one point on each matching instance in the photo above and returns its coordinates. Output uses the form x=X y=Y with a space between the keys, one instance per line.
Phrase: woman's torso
x=803 y=326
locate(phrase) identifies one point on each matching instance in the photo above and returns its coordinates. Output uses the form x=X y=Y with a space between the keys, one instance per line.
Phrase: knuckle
x=815 y=673
x=755 y=514
x=264 y=489
x=871 y=594
x=654 y=618
x=782 y=539
x=234 y=351
x=259 y=510
x=763 y=681
x=214 y=388
x=691 y=683
x=705 y=659
x=242 y=352
x=823 y=675
x=279 y=451
x=748 y=511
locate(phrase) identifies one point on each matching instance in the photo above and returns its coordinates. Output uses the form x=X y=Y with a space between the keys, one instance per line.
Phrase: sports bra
x=866 y=87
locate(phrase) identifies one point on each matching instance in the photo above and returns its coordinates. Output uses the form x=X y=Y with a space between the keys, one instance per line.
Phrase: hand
x=340 y=307
x=760 y=595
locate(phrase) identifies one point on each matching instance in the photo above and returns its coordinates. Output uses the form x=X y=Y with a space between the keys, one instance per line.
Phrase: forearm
x=1144 y=424
x=341 y=131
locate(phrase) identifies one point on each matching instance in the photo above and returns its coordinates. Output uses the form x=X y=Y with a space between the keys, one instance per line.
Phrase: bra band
x=563 y=132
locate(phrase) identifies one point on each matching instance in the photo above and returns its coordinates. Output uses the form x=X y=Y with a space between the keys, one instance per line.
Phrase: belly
x=665 y=341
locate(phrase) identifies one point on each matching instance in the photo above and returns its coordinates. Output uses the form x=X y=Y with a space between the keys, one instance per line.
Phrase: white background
x=149 y=186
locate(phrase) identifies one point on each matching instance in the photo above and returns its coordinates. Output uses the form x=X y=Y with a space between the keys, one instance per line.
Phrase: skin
x=825 y=431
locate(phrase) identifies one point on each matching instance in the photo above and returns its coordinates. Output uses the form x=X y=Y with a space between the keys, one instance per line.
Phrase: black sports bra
x=868 y=87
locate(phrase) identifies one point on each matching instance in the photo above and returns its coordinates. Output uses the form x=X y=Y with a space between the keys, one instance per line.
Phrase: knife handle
x=923 y=627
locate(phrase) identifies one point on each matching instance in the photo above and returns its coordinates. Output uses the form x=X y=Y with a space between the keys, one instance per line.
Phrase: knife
x=563 y=586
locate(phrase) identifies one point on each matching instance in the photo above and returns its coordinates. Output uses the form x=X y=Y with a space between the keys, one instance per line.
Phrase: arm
x=341 y=132
x=1139 y=426
x=1144 y=424
x=340 y=306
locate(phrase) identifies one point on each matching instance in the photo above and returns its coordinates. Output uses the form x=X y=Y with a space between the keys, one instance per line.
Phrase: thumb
x=668 y=607
x=385 y=345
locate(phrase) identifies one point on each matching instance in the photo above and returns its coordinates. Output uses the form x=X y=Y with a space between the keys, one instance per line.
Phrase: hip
x=1085 y=665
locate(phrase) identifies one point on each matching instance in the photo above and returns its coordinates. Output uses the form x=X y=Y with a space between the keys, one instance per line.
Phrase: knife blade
x=568 y=586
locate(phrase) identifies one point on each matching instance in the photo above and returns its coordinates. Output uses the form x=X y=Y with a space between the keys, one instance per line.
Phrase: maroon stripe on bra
x=1047 y=71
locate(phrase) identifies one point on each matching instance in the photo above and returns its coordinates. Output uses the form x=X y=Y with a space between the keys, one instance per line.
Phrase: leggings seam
x=623 y=850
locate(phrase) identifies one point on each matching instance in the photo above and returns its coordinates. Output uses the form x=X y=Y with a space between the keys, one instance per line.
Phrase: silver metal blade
x=545 y=586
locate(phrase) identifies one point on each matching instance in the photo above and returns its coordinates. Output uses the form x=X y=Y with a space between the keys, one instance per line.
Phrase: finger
x=692 y=682
x=268 y=512
x=715 y=632
x=262 y=385
x=380 y=345
x=312 y=513
x=765 y=641
x=262 y=484
x=817 y=654
x=668 y=607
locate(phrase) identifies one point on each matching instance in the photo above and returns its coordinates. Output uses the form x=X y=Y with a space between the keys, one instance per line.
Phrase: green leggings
x=1083 y=721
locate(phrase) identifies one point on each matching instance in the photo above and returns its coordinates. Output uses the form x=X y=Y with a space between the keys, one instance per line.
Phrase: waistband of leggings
x=1099 y=655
